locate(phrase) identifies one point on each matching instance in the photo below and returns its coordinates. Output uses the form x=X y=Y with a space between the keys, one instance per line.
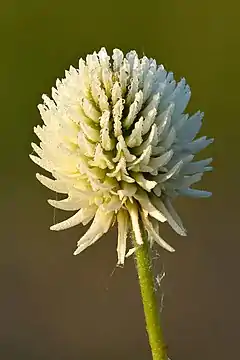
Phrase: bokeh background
x=55 y=306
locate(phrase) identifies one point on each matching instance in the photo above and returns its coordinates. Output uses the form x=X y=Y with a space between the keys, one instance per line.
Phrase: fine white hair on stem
x=117 y=142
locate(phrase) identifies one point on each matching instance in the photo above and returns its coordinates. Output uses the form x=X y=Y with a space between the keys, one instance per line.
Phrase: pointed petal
x=82 y=216
x=144 y=183
x=195 y=193
x=54 y=185
x=191 y=127
x=45 y=164
x=169 y=212
x=130 y=252
x=163 y=177
x=134 y=215
x=100 y=226
x=135 y=138
x=123 y=225
x=146 y=205
x=134 y=109
x=160 y=161
x=196 y=167
x=69 y=204
x=154 y=235
x=113 y=205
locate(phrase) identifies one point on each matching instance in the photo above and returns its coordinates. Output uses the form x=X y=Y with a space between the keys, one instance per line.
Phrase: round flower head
x=117 y=142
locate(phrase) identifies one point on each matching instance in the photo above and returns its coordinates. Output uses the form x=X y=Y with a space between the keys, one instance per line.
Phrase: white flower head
x=117 y=142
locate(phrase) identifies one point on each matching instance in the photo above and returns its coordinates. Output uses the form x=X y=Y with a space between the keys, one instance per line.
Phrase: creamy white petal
x=196 y=167
x=134 y=215
x=144 y=183
x=135 y=138
x=168 y=211
x=69 y=204
x=170 y=173
x=146 y=205
x=191 y=127
x=135 y=107
x=82 y=216
x=123 y=228
x=113 y=204
x=54 y=185
x=127 y=190
x=194 y=193
x=43 y=163
x=100 y=226
x=155 y=235
x=158 y=162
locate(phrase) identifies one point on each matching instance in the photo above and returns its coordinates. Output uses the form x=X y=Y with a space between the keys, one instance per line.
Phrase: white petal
x=69 y=204
x=54 y=185
x=113 y=204
x=169 y=139
x=132 y=89
x=86 y=146
x=142 y=160
x=163 y=177
x=146 y=205
x=117 y=117
x=163 y=121
x=135 y=138
x=134 y=109
x=148 y=121
x=134 y=215
x=158 y=162
x=196 y=167
x=100 y=226
x=122 y=148
x=169 y=212
x=123 y=225
x=187 y=181
x=195 y=146
x=108 y=143
x=155 y=235
x=127 y=190
x=82 y=216
x=191 y=127
x=117 y=59
x=130 y=252
x=152 y=139
x=90 y=110
x=43 y=163
x=148 y=84
x=116 y=92
x=124 y=72
x=195 y=193
x=144 y=183
x=101 y=160
x=37 y=150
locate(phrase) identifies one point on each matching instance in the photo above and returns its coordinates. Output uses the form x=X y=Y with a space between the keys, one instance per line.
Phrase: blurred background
x=55 y=306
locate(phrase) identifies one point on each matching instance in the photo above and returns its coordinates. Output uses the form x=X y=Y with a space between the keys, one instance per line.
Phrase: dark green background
x=56 y=306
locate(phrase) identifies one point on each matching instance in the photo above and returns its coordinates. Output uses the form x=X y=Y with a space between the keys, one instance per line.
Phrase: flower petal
x=54 y=185
x=82 y=216
x=155 y=235
x=134 y=215
x=146 y=205
x=123 y=226
x=169 y=212
x=100 y=226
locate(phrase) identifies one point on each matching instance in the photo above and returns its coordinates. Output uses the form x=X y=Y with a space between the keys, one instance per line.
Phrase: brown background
x=55 y=306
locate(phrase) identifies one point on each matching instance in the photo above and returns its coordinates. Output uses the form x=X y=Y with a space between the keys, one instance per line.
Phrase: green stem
x=151 y=310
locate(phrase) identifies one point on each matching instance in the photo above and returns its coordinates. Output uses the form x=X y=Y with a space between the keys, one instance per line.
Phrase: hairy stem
x=151 y=310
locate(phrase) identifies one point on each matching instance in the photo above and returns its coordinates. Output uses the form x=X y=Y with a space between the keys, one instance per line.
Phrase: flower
x=117 y=141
